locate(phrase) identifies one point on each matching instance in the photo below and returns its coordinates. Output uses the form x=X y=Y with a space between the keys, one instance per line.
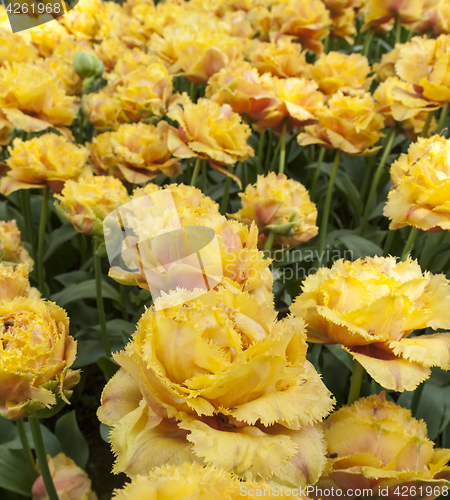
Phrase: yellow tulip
x=350 y=124
x=87 y=202
x=280 y=205
x=337 y=71
x=36 y=352
x=377 y=445
x=379 y=13
x=14 y=282
x=196 y=482
x=11 y=247
x=420 y=186
x=371 y=306
x=182 y=384
x=71 y=482
x=48 y=160
x=135 y=152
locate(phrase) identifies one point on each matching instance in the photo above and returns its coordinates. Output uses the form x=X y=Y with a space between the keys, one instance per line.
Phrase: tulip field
x=225 y=249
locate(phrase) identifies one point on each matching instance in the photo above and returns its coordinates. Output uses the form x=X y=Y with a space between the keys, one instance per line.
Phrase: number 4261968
x=39 y=8
x=420 y=491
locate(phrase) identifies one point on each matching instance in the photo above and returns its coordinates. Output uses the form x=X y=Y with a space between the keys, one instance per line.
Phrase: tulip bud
x=86 y=65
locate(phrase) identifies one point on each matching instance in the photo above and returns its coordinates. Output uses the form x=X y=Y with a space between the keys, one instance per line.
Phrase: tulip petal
x=428 y=350
x=389 y=371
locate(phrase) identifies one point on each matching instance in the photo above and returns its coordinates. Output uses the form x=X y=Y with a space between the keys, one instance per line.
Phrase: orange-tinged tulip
x=196 y=53
x=337 y=71
x=307 y=20
x=280 y=205
x=420 y=186
x=135 y=152
x=47 y=37
x=197 y=482
x=6 y=129
x=241 y=86
x=377 y=13
x=32 y=100
x=11 y=247
x=398 y=102
x=376 y=446
x=208 y=131
x=36 y=352
x=190 y=392
x=105 y=110
x=71 y=482
x=161 y=263
x=371 y=306
x=350 y=124
x=284 y=58
x=14 y=282
x=48 y=160
x=87 y=202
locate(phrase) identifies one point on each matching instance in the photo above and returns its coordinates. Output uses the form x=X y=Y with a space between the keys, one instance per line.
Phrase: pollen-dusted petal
x=428 y=350
x=388 y=370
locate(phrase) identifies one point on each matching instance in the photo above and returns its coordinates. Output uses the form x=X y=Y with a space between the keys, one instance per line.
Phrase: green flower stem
x=368 y=175
x=268 y=245
x=373 y=188
x=224 y=204
x=355 y=385
x=427 y=124
x=409 y=243
x=442 y=118
x=196 y=172
x=26 y=447
x=317 y=173
x=260 y=152
x=388 y=243
x=40 y=249
x=192 y=91
x=269 y=152
x=204 y=177
x=326 y=47
x=42 y=457
x=124 y=302
x=416 y=399
x=326 y=210
x=283 y=147
x=398 y=31
x=100 y=305
x=26 y=209
x=367 y=43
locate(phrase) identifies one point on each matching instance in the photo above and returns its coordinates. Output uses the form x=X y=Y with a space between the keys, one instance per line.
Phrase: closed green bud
x=87 y=65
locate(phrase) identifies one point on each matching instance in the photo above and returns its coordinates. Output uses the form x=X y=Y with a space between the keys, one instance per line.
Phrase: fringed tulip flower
x=208 y=131
x=424 y=64
x=279 y=205
x=379 y=13
x=48 y=160
x=307 y=20
x=398 y=103
x=36 y=352
x=11 y=247
x=135 y=152
x=32 y=100
x=350 y=124
x=371 y=307
x=196 y=52
x=105 y=110
x=86 y=203
x=14 y=282
x=71 y=482
x=420 y=187
x=218 y=381
x=342 y=16
x=337 y=71
x=284 y=58
x=375 y=445
x=159 y=255
x=248 y=93
x=197 y=482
